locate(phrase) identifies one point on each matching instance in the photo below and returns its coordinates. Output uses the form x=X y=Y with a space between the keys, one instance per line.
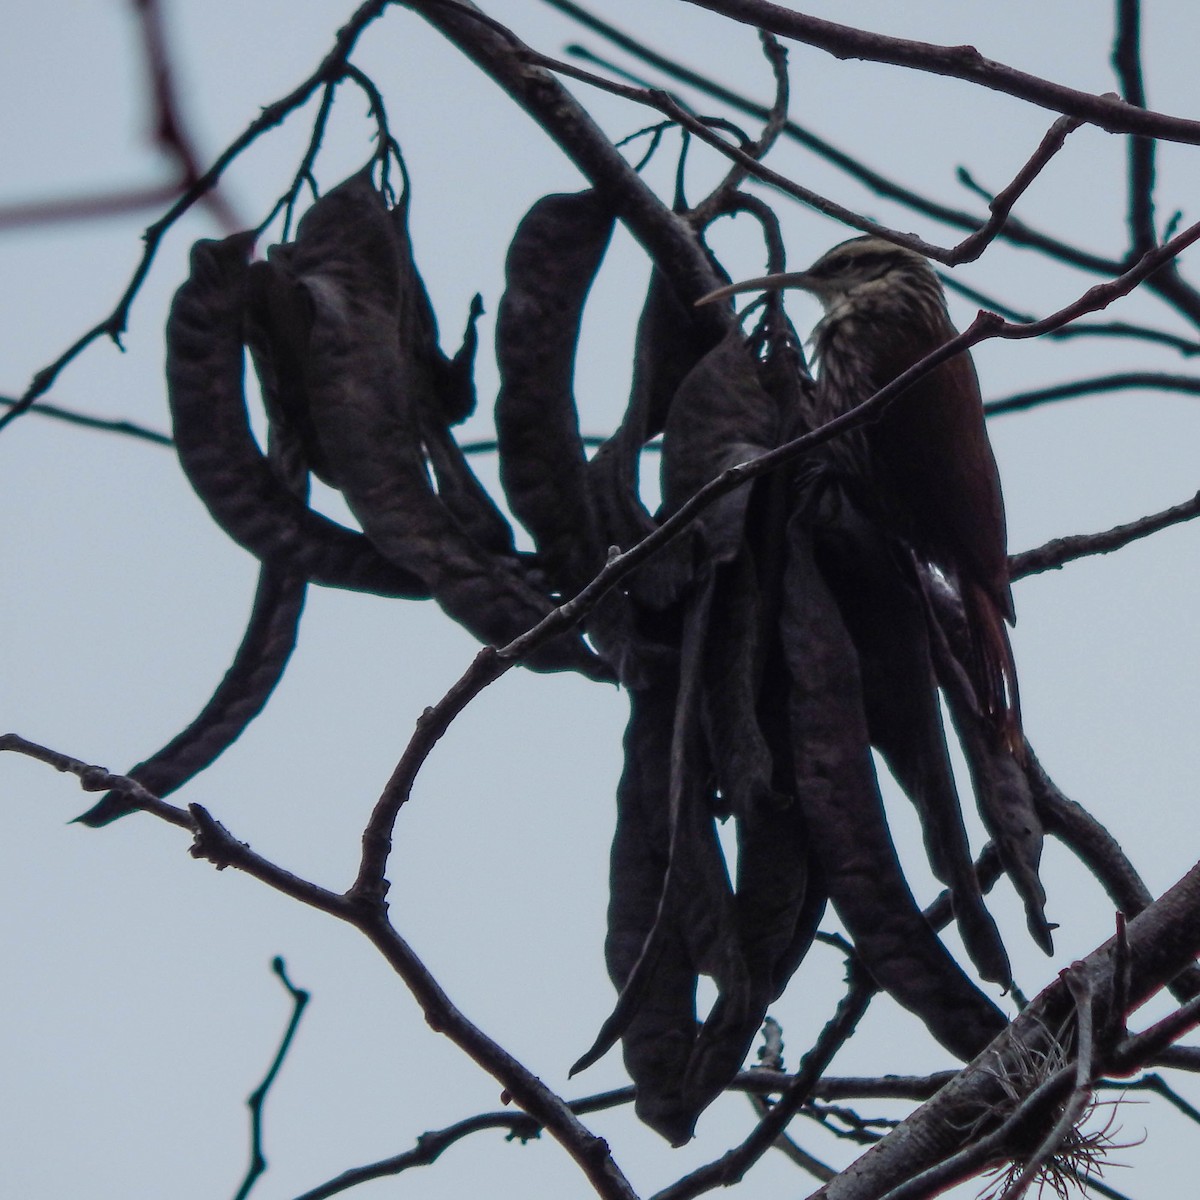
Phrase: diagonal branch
x=1162 y=940
x=491 y=663
x=113 y=326
x=956 y=62
x=1060 y=551
x=213 y=842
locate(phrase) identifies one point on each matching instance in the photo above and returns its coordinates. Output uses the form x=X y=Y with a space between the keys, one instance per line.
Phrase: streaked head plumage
x=858 y=266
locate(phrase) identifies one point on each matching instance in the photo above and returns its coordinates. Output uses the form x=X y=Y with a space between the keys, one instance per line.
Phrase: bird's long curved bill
x=764 y=283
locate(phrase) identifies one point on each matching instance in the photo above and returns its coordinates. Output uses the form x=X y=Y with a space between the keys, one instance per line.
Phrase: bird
x=924 y=469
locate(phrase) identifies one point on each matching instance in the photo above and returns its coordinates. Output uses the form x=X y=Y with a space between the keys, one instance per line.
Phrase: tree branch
x=113 y=326
x=957 y=62
x=1060 y=551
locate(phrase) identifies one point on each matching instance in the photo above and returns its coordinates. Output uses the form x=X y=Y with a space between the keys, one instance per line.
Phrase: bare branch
x=104 y=424
x=957 y=62
x=1099 y=384
x=776 y=120
x=1060 y=551
x=258 y=1097
x=1140 y=1048
x=1127 y=60
x=1115 y=329
x=1162 y=940
x=113 y=326
x=213 y=842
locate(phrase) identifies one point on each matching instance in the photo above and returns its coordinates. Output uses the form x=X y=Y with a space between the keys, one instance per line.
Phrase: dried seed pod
x=1002 y=786
x=886 y=621
x=553 y=258
x=257 y=667
x=367 y=382
x=669 y=345
x=241 y=695
x=844 y=815
x=218 y=452
x=721 y=416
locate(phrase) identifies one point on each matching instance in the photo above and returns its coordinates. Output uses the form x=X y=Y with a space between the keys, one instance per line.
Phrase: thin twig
x=1127 y=61
x=106 y=425
x=1120 y=381
x=1140 y=1048
x=113 y=326
x=258 y=1097
x=776 y=120
x=1188 y=347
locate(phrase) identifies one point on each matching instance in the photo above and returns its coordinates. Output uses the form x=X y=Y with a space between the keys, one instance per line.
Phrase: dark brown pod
x=837 y=789
x=218 y=453
x=721 y=416
x=1001 y=783
x=552 y=261
x=257 y=667
x=367 y=389
x=887 y=622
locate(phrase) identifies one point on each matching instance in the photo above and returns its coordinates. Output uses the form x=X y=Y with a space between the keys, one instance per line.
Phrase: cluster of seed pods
x=765 y=651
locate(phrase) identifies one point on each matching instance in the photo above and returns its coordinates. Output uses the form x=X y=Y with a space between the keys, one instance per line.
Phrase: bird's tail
x=993 y=671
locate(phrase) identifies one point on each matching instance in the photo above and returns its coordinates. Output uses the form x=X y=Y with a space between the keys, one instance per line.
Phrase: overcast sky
x=139 y=1008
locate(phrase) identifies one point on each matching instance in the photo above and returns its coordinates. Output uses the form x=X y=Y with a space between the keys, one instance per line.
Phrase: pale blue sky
x=139 y=1008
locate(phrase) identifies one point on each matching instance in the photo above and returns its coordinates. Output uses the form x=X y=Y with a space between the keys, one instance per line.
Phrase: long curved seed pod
x=366 y=389
x=840 y=799
x=733 y=661
x=218 y=453
x=657 y=1029
x=1002 y=787
x=721 y=416
x=552 y=261
x=886 y=622
x=669 y=344
x=678 y=907
x=257 y=667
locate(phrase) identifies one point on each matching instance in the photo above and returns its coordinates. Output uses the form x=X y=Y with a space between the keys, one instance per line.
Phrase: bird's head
x=860 y=267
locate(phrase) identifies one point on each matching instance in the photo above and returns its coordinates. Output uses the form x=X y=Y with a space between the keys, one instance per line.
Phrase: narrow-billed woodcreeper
x=925 y=468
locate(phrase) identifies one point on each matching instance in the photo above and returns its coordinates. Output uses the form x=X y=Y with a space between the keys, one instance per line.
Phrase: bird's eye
x=835 y=265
